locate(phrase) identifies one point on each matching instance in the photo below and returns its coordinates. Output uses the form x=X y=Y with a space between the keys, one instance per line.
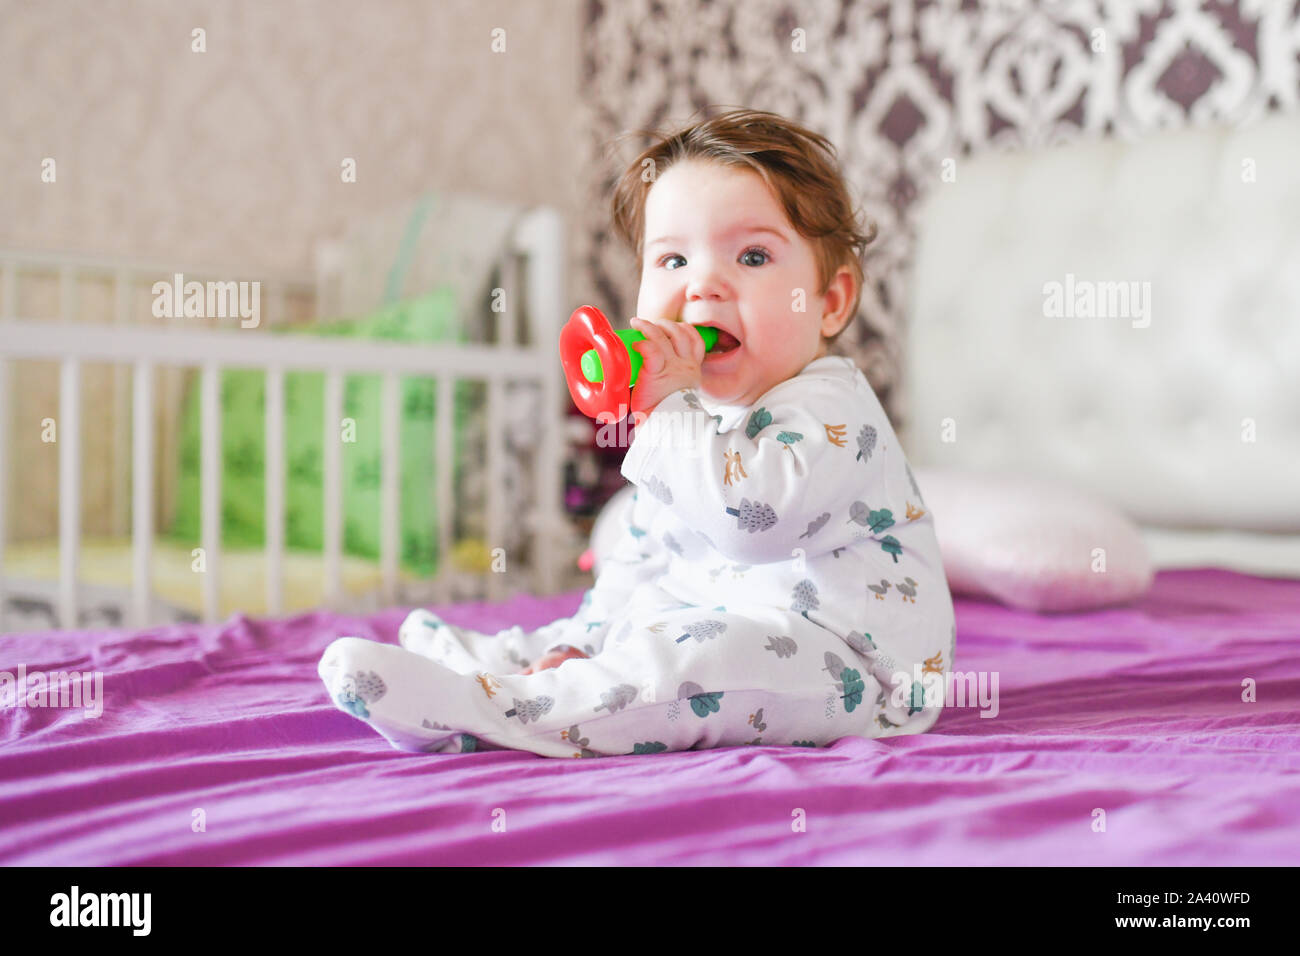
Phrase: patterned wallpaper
x=900 y=87
x=232 y=156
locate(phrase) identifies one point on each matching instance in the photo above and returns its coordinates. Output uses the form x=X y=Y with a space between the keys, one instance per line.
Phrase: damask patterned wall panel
x=907 y=89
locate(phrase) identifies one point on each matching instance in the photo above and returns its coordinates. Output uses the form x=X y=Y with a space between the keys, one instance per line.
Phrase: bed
x=1159 y=732
x=1135 y=710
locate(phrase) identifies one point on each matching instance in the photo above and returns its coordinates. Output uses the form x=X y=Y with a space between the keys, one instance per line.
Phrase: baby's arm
x=635 y=559
x=797 y=473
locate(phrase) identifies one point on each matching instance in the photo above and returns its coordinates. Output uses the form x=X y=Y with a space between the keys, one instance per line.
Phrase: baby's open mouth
x=726 y=343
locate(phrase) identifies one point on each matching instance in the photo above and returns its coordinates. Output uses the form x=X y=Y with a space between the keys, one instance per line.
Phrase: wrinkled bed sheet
x=1136 y=711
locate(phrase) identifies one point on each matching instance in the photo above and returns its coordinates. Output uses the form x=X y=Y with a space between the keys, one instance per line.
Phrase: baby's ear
x=831 y=329
x=840 y=294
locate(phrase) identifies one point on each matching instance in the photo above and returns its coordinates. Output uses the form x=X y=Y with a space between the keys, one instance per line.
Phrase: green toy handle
x=592 y=371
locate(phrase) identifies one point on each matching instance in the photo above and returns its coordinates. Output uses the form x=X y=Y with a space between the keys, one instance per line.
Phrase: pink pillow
x=1030 y=542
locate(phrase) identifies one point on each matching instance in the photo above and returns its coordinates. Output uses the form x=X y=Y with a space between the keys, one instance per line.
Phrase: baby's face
x=710 y=260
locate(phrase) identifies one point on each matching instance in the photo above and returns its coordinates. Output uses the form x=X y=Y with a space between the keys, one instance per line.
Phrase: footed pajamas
x=777 y=582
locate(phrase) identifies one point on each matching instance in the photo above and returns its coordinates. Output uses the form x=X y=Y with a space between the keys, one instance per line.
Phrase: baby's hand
x=672 y=353
x=554 y=658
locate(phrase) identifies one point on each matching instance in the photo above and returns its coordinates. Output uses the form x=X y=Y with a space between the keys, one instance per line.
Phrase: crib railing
x=129 y=279
x=145 y=349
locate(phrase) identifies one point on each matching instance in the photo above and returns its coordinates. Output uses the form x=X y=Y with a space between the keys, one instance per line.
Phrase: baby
x=778 y=580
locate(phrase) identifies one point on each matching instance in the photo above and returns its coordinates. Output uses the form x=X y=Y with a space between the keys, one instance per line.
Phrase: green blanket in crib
x=243 y=438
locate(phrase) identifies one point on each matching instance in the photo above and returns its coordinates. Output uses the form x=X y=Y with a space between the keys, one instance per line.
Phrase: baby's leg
x=744 y=676
x=689 y=678
x=509 y=651
x=468 y=651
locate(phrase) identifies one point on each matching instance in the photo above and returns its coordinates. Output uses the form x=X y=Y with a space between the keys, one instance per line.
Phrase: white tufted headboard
x=1183 y=410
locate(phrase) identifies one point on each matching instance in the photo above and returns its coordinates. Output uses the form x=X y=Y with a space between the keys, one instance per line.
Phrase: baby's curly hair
x=798 y=165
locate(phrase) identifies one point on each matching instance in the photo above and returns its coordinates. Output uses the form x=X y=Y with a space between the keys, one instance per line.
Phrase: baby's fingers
x=651 y=351
x=653 y=331
x=678 y=333
x=655 y=337
x=694 y=343
x=667 y=335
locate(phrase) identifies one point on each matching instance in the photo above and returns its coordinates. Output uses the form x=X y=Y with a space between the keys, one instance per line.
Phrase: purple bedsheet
x=1136 y=710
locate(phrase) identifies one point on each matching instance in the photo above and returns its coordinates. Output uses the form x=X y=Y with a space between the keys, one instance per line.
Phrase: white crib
x=138 y=351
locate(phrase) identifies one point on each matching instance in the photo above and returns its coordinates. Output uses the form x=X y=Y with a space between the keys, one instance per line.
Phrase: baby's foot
x=419 y=633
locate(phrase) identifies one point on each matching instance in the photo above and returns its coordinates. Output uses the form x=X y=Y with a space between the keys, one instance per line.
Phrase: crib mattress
x=106 y=566
x=1135 y=711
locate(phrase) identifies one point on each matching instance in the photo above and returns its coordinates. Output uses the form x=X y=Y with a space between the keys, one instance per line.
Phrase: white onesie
x=778 y=582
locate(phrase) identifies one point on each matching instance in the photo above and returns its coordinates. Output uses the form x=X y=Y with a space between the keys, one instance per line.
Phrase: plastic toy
x=600 y=365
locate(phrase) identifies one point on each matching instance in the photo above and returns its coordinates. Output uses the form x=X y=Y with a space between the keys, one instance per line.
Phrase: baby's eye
x=672 y=256
x=755 y=250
